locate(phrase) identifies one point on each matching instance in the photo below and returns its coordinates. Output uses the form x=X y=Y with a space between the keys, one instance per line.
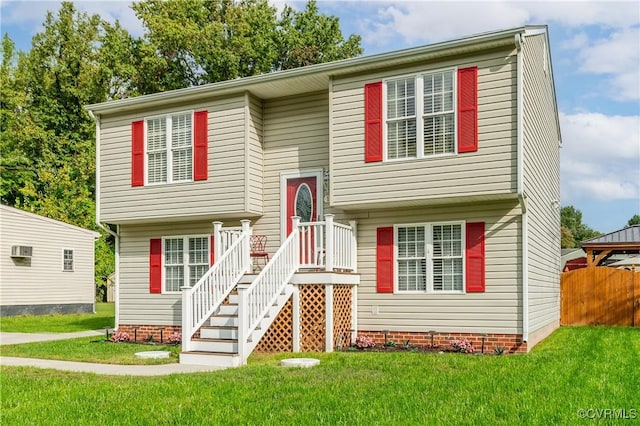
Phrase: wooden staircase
x=217 y=344
x=226 y=313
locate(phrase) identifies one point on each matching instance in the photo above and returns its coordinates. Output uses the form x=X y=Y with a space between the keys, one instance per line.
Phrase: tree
x=566 y=238
x=571 y=221
x=48 y=138
x=635 y=220
x=205 y=41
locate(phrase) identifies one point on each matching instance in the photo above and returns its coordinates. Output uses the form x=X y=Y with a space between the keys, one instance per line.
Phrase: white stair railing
x=327 y=245
x=255 y=301
x=203 y=299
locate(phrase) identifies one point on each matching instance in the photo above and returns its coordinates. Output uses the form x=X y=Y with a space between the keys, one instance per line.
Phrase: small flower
x=120 y=336
x=463 y=346
x=363 y=342
x=175 y=338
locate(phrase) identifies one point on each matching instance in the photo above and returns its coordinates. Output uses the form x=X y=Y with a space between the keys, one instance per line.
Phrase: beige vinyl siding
x=222 y=194
x=490 y=171
x=497 y=310
x=296 y=138
x=255 y=154
x=137 y=305
x=541 y=185
x=43 y=282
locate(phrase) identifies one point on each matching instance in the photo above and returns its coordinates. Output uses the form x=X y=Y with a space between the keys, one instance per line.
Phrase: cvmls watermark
x=608 y=413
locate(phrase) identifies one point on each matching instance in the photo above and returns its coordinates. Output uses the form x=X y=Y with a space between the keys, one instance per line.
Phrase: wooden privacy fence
x=600 y=296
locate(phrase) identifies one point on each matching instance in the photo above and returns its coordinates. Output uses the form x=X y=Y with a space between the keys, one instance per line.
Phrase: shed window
x=67 y=260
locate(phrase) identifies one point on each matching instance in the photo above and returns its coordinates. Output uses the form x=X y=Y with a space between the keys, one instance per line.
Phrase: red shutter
x=475 y=257
x=468 y=109
x=373 y=122
x=200 y=145
x=155 y=265
x=384 y=260
x=137 y=153
x=211 y=248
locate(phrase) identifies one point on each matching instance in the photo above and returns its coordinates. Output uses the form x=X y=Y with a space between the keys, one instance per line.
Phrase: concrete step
x=223 y=321
x=219 y=332
x=215 y=345
x=210 y=358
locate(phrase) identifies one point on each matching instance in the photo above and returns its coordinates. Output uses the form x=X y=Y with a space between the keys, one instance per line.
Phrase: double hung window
x=420 y=115
x=67 y=260
x=186 y=259
x=169 y=142
x=430 y=257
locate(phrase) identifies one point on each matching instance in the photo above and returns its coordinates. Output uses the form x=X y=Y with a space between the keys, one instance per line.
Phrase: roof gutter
x=519 y=41
x=116 y=235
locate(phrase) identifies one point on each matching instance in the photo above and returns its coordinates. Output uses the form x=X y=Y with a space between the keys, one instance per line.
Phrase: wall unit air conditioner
x=21 y=251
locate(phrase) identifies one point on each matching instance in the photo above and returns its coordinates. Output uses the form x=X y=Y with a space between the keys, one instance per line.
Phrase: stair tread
x=206 y=339
x=220 y=327
x=210 y=353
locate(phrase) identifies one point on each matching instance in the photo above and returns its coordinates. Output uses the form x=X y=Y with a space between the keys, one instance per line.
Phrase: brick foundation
x=512 y=342
x=142 y=332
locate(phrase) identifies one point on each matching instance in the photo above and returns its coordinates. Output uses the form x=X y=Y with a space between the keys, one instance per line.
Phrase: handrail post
x=243 y=324
x=328 y=241
x=186 y=318
x=217 y=241
x=295 y=222
x=295 y=227
x=354 y=245
x=246 y=248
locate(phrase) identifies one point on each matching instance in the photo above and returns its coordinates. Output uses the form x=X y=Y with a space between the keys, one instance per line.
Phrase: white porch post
x=328 y=323
x=295 y=318
x=328 y=250
x=354 y=245
x=246 y=247
x=354 y=313
x=217 y=241
x=186 y=318
x=243 y=324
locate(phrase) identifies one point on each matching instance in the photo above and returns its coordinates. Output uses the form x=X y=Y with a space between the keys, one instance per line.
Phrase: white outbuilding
x=46 y=266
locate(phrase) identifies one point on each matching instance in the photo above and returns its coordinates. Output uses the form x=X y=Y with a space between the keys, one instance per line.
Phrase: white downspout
x=520 y=187
x=116 y=235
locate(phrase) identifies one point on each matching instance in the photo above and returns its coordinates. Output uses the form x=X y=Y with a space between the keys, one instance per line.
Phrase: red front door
x=301 y=200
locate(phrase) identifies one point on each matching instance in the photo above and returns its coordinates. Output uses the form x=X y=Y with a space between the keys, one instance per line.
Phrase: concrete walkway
x=87 y=367
x=19 y=338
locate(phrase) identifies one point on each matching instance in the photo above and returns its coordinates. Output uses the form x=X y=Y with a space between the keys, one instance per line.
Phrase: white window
x=67 y=260
x=186 y=260
x=169 y=148
x=429 y=257
x=420 y=115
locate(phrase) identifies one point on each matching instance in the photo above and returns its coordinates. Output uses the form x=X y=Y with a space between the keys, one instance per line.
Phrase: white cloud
x=32 y=13
x=431 y=21
x=600 y=158
x=617 y=56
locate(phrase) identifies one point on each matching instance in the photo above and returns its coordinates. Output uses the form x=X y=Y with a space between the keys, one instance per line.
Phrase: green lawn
x=590 y=368
x=90 y=349
x=104 y=317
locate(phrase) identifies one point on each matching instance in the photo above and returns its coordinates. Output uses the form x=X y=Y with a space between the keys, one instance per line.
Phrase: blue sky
x=595 y=49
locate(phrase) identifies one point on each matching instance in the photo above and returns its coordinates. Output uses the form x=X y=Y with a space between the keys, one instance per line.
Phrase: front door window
x=304 y=203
